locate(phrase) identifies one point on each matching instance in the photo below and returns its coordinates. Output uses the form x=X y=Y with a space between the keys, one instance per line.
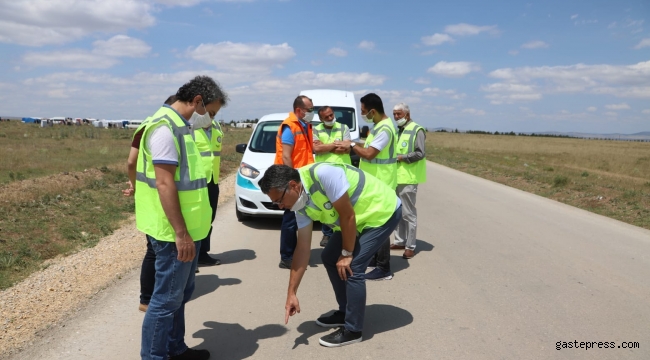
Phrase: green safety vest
x=413 y=173
x=190 y=182
x=210 y=150
x=328 y=136
x=373 y=202
x=384 y=166
x=142 y=125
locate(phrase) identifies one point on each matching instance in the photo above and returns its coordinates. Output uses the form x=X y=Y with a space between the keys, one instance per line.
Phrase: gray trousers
x=351 y=294
x=405 y=233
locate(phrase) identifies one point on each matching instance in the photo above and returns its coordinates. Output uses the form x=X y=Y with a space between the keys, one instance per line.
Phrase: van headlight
x=248 y=171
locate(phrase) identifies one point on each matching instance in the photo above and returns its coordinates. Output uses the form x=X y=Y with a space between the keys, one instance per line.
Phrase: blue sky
x=485 y=65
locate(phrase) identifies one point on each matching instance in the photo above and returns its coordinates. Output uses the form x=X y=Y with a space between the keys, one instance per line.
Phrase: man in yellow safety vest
x=326 y=134
x=362 y=210
x=172 y=208
x=411 y=171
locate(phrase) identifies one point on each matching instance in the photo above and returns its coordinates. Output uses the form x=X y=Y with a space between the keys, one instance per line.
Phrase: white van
x=342 y=103
x=259 y=153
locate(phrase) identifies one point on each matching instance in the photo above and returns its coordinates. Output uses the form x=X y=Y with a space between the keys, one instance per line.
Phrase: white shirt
x=335 y=184
x=380 y=141
x=162 y=147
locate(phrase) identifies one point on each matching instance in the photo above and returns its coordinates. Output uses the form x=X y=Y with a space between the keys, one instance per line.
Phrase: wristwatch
x=346 y=253
x=352 y=144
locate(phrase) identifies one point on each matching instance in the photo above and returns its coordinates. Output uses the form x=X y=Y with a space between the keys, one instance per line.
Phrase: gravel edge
x=66 y=284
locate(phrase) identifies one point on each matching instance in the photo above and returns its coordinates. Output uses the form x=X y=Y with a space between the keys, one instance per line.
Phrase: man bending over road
x=362 y=211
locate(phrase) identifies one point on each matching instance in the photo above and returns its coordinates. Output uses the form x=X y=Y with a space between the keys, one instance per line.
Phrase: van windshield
x=343 y=115
x=264 y=137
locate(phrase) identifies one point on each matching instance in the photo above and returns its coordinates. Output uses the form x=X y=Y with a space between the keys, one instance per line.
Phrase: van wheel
x=240 y=215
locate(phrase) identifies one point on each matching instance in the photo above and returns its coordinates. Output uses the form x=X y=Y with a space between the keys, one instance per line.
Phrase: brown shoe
x=396 y=247
x=143 y=307
x=408 y=254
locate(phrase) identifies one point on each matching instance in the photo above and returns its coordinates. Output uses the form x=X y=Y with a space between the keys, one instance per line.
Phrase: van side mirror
x=364 y=132
x=240 y=148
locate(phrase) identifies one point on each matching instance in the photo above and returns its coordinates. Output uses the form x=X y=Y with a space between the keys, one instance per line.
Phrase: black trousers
x=213 y=195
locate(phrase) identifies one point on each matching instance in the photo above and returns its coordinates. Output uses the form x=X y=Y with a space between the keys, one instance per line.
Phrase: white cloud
x=453 y=69
x=337 y=52
x=121 y=46
x=103 y=55
x=621 y=106
x=474 y=111
x=240 y=57
x=43 y=22
x=463 y=29
x=513 y=52
x=611 y=113
x=366 y=45
x=617 y=80
x=538 y=44
x=340 y=79
x=646 y=111
x=73 y=58
x=444 y=108
x=436 y=39
x=643 y=43
x=498 y=99
x=592 y=108
x=422 y=81
x=574 y=16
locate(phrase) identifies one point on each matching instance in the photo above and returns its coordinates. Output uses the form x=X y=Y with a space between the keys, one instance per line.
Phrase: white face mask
x=329 y=123
x=201 y=121
x=401 y=121
x=302 y=200
x=309 y=116
x=367 y=118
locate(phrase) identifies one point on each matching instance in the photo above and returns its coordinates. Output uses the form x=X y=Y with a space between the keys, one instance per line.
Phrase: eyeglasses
x=282 y=198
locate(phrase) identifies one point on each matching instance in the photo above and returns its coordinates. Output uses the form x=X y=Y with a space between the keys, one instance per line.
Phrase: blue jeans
x=327 y=231
x=163 y=327
x=351 y=294
x=288 y=235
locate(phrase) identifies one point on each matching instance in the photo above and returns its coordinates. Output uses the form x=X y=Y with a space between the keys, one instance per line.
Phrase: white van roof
x=274 y=117
x=322 y=97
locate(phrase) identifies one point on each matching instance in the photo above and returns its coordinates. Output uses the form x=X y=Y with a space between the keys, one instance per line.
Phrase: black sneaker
x=207 y=260
x=341 y=337
x=285 y=264
x=335 y=320
x=324 y=241
x=192 y=354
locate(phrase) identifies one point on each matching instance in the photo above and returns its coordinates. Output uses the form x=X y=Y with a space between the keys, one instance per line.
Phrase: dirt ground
x=47 y=297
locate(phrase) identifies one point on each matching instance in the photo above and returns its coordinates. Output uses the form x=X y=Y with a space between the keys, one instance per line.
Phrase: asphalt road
x=499 y=274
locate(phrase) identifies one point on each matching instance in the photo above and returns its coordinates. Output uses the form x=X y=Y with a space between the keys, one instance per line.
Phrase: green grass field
x=61 y=190
x=610 y=178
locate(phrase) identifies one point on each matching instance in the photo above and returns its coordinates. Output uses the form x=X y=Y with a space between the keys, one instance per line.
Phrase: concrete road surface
x=499 y=274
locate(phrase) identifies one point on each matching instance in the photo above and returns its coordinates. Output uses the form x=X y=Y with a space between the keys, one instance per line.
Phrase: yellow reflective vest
x=372 y=200
x=189 y=178
x=384 y=165
x=328 y=136
x=210 y=150
x=413 y=173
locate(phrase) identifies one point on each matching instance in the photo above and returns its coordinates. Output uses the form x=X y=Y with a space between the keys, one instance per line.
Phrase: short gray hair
x=403 y=107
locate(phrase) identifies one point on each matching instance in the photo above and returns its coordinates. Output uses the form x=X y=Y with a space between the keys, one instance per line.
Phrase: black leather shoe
x=324 y=240
x=192 y=354
x=207 y=260
x=285 y=264
x=340 y=337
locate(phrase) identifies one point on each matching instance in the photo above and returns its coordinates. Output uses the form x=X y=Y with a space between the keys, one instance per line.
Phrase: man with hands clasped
x=362 y=210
